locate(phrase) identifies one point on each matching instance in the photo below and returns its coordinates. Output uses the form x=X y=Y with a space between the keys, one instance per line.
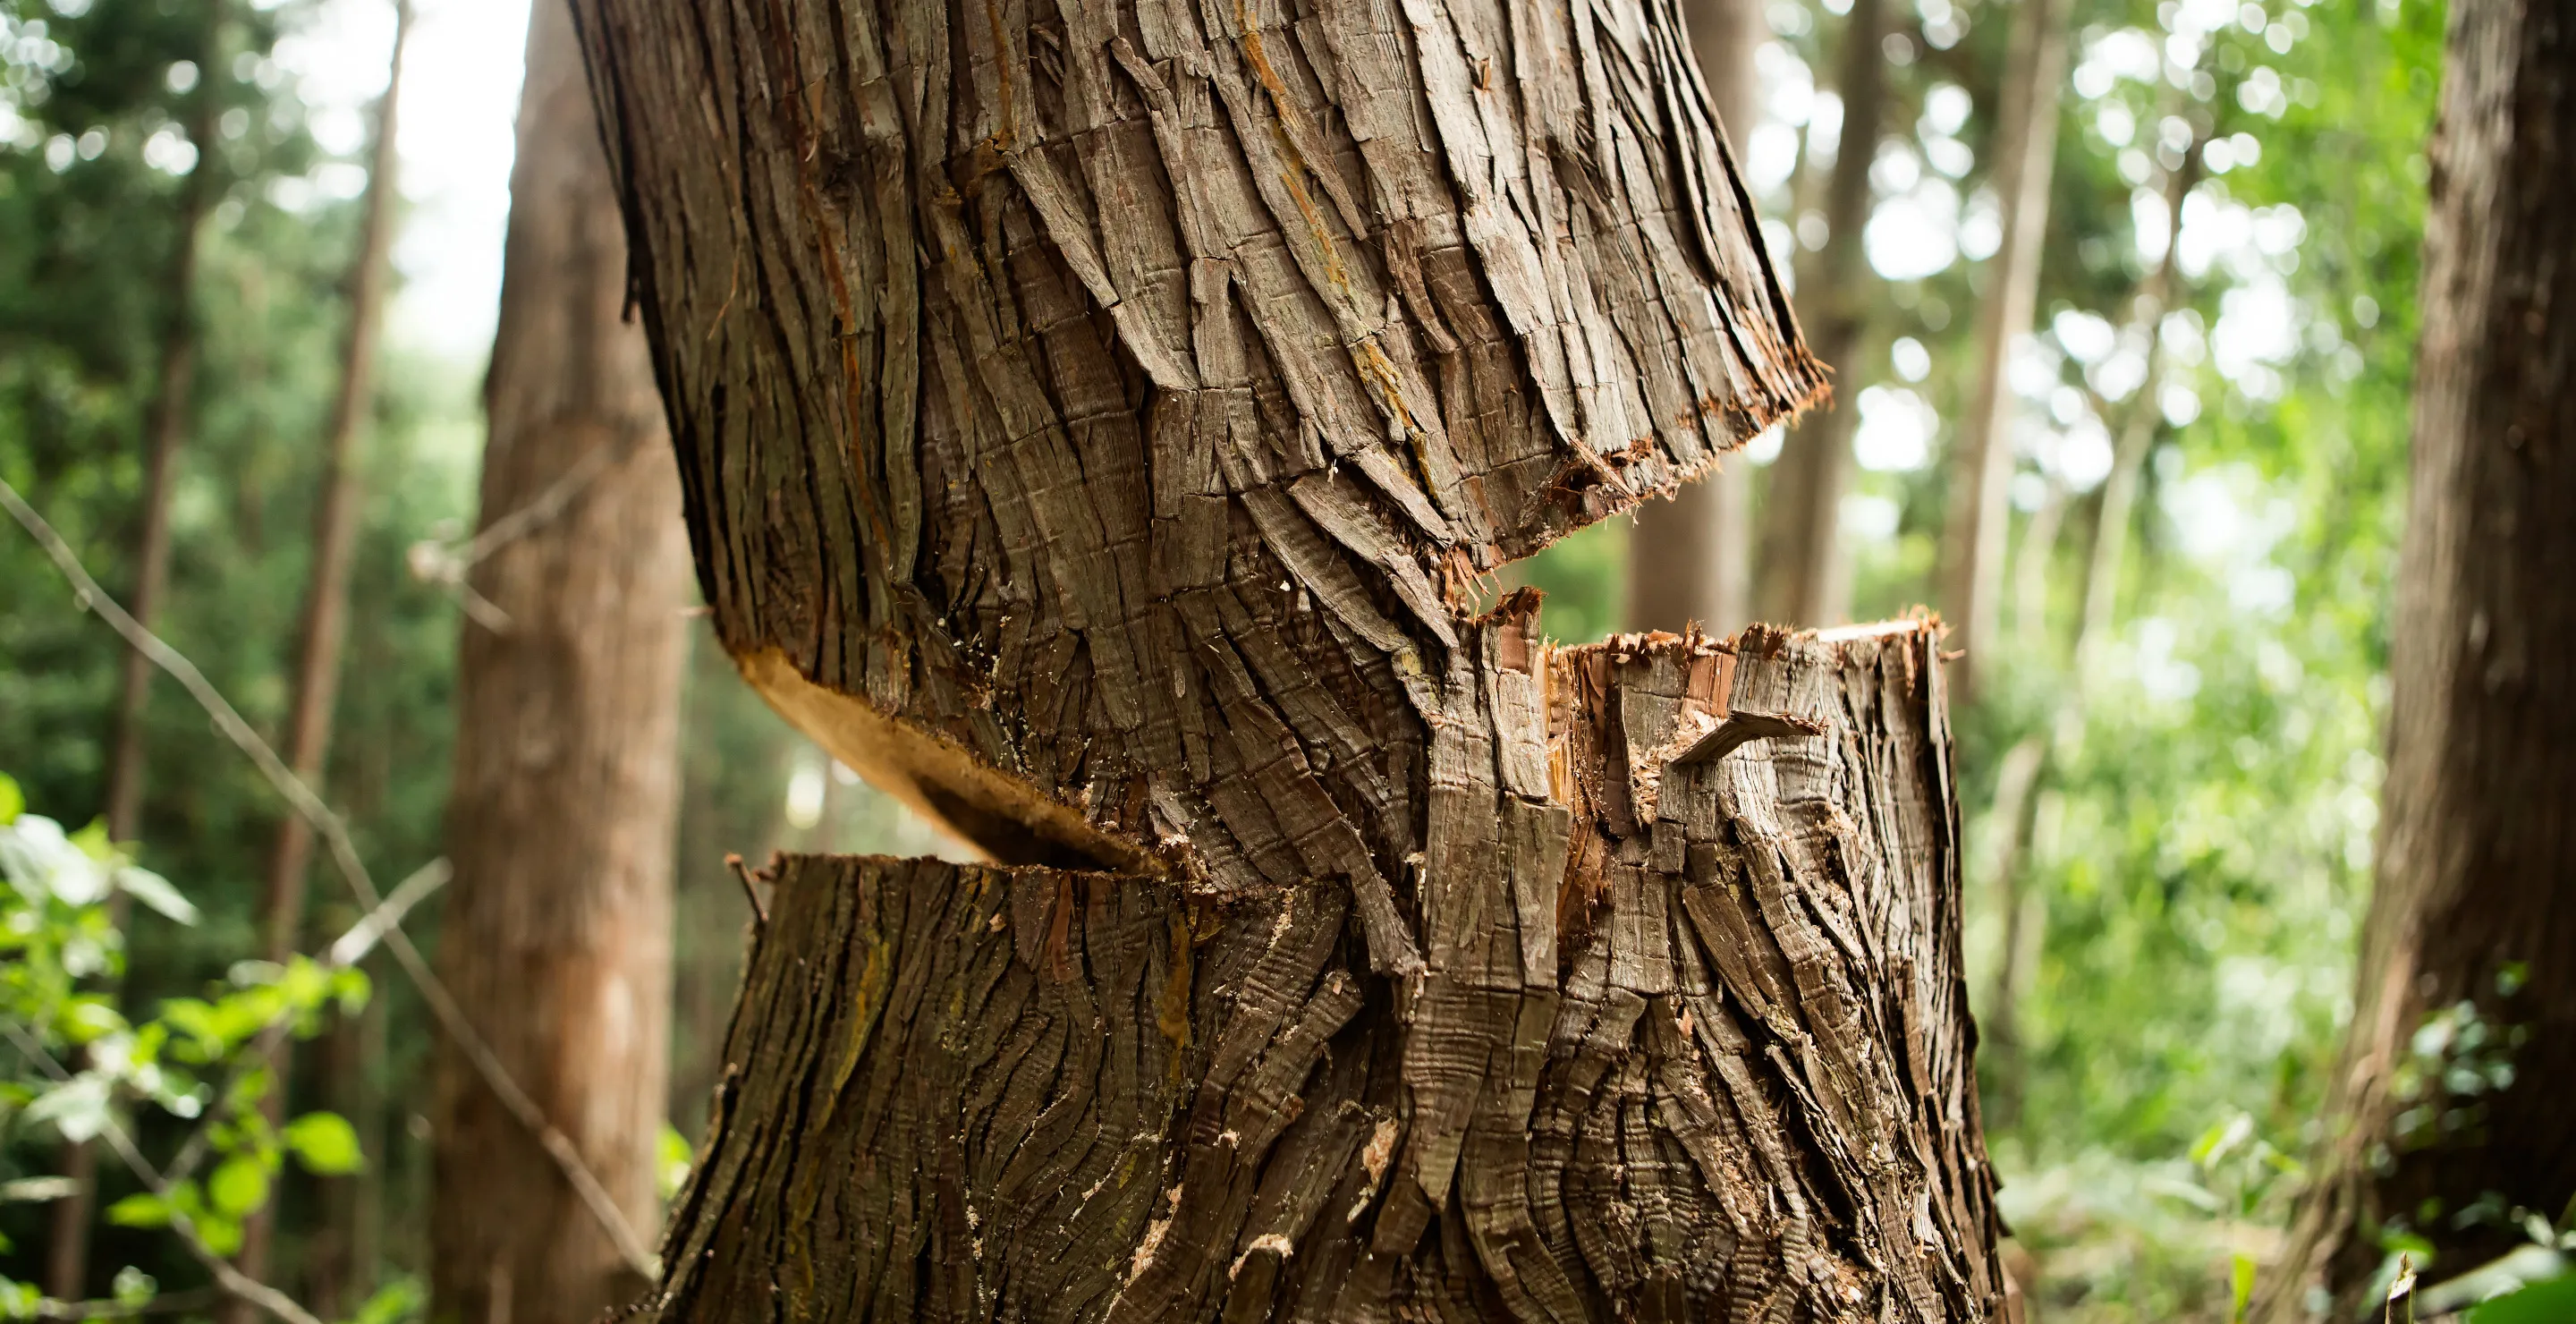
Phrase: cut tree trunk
x=557 y=933
x=316 y=680
x=1801 y=572
x=1973 y=541
x=1093 y=420
x=2454 y=1084
x=1690 y=556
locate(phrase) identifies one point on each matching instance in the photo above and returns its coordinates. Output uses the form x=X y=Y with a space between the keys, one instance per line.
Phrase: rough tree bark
x=1690 y=556
x=1800 y=570
x=165 y=426
x=1973 y=541
x=557 y=931
x=1092 y=418
x=316 y=681
x=2473 y=917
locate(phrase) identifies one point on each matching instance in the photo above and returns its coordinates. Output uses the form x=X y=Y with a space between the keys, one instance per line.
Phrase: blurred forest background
x=2171 y=827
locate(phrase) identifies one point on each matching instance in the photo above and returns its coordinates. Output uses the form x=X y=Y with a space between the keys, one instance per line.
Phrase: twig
x=344 y=855
x=442 y=561
x=351 y=948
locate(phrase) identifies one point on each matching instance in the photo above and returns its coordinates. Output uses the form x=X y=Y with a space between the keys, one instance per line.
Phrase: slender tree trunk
x=1093 y=420
x=1689 y=557
x=2137 y=433
x=316 y=688
x=1972 y=546
x=2027 y=764
x=1802 y=572
x=557 y=938
x=2473 y=920
x=165 y=427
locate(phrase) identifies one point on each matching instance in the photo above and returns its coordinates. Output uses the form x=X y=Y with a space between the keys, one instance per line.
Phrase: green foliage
x=2201 y=846
x=203 y=1060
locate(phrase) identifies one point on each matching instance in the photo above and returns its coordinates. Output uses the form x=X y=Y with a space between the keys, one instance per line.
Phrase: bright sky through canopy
x=460 y=99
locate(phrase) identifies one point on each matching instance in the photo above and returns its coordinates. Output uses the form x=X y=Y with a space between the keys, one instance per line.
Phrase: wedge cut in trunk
x=1690 y=1042
x=1095 y=423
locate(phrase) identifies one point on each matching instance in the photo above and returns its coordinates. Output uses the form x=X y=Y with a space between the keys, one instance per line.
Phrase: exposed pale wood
x=556 y=937
x=2477 y=841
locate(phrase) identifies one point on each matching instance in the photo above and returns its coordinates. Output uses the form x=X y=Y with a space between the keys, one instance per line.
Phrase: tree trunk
x=1689 y=557
x=2110 y=549
x=165 y=426
x=557 y=932
x=2455 y=1080
x=1092 y=420
x=1972 y=546
x=1801 y=571
x=316 y=687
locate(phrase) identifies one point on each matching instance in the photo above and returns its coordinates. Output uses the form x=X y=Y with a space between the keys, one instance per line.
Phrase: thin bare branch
x=344 y=855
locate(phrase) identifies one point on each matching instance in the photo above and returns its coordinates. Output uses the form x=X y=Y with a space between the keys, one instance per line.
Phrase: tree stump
x=1096 y=423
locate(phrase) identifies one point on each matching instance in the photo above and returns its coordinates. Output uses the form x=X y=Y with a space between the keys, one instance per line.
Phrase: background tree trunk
x=316 y=685
x=165 y=426
x=1972 y=545
x=557 y=933
x=1690 y=557
x=1093 y=419
x=2473 y=918
x=1800 y=571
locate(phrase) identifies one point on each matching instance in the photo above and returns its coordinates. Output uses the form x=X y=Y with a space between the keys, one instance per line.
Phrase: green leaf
x=141 y=1209
x=239 y=1185
x=672 y=1159
x=351 y=988
x=2552 y=1302
x=325 y=1144
x=133 y=1286
x=13 y=802
x=155 y=891
x=93 y=842
x=393 y=1303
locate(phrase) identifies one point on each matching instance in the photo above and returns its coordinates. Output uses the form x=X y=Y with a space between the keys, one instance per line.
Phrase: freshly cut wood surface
x=1688 y=1040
